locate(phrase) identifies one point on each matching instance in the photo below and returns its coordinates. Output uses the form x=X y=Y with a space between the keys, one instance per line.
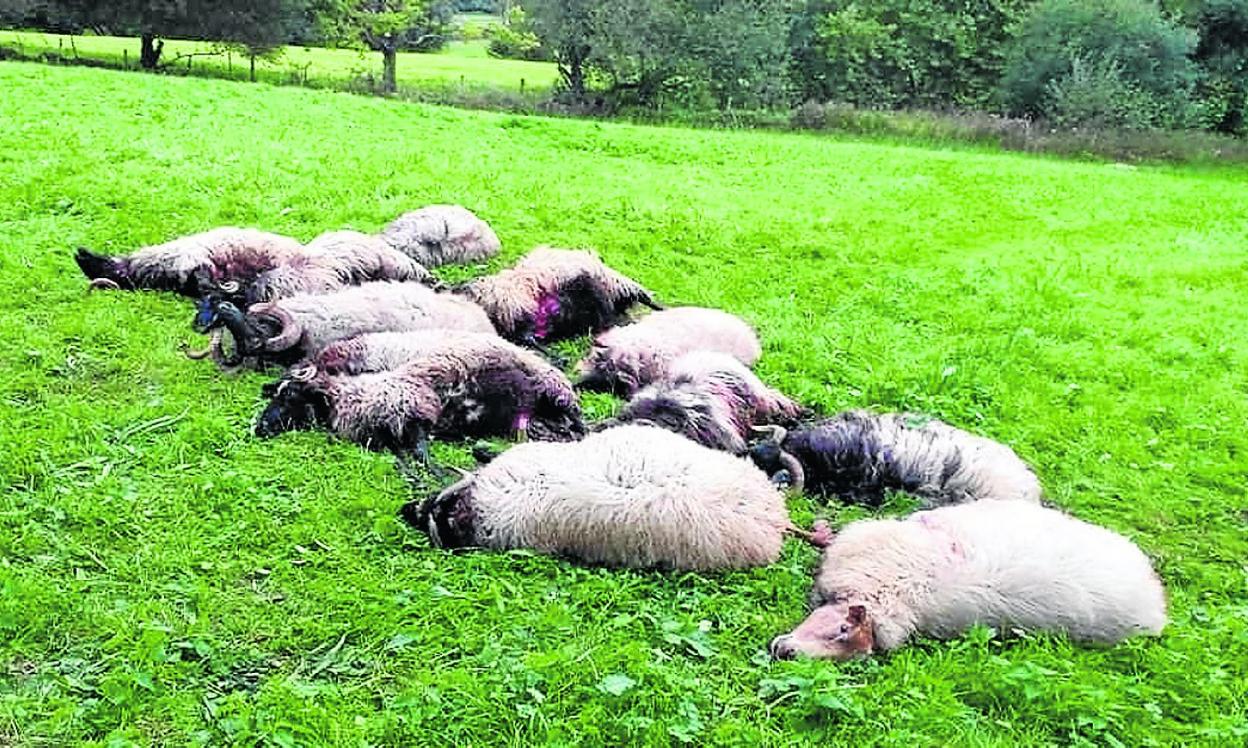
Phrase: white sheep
x=1008 y=564
x=631 y=496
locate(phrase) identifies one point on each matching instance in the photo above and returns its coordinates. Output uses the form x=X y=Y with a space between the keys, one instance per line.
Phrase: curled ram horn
x=103 y=284
x=302 y=372
x=797 y=473
x=291 y=329
x=214 y=347
x=230 y=286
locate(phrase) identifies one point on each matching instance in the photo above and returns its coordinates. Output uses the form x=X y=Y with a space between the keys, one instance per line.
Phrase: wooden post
x=125 y=59
x=522 y=85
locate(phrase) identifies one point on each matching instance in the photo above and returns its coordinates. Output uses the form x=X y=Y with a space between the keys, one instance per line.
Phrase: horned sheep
x=1007 y=564
x=287 y=330
x=859 y=456
x=631 y=496
x=191 y=264
x=417 y=385
x=625 y=359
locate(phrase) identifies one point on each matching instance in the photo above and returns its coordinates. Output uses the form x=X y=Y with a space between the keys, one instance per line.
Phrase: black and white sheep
x=711 y=398
x=625 y=359
x=859 y=456
x=194 y=264
x=289 y=329
x=552 y=294
x=442 y=384
x=631 y=496
x=1008 y=564
x=442 y=234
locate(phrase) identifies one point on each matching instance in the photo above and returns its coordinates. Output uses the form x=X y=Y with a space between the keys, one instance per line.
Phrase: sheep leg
x=414 y=460
x=820 y=535
x=530 y=341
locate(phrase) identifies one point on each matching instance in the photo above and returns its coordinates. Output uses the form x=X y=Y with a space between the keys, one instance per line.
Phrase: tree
x=567 y=28
x=904 y=53
x=259 y=29
x=246 y=21
x=386 y=26
x=1104 y=62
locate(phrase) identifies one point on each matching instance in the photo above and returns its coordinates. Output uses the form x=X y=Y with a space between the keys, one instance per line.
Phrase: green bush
x=937 y=54
x=514 y=38
x=1103 y=62
x=1222 y=53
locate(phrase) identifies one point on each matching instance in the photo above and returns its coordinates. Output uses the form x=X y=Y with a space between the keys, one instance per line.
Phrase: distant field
x=168 y=580
x=461 y=63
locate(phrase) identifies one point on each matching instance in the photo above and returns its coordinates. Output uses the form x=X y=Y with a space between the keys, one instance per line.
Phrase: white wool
x=998 y=563
x=442 y=234
x=633 y=496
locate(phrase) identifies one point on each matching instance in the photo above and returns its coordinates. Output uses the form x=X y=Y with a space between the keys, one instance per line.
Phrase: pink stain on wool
x=547 y=309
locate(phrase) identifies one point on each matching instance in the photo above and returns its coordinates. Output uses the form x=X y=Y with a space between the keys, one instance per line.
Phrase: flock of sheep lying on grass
x=689 y=475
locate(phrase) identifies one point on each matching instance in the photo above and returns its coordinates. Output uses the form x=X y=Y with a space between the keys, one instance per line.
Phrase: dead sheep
x=553 y=294
x=442 y=234
x=192 y=264
x=631 y=496
x=859 y=456
x=625 y=359
x=287 y=330
x=1006 y=564
x=711 y=398
x=444 y=385
x=333 y=260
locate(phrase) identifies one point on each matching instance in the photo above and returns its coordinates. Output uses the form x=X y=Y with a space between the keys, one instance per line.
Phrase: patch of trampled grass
x=166 y=578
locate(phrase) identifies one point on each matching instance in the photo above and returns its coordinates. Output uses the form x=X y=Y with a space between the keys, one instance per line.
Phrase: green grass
x=166 y=579
x=459 y=64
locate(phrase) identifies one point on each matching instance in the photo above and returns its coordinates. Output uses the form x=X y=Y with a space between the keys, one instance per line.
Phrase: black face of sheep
x=295 y=406
x=446 y=517
x=104 y=272
x=600 y=379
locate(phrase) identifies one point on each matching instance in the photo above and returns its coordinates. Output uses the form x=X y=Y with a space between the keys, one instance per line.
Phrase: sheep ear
x=857 y=615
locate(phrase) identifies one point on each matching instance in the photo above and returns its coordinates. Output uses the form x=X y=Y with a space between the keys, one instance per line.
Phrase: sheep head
x=295 y=405
x=837 y=631
x=448 y=517
x=771 y=458
x=103 y=271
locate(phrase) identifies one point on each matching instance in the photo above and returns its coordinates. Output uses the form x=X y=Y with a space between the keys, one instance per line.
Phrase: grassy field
x=459 y=64
x=166 y=579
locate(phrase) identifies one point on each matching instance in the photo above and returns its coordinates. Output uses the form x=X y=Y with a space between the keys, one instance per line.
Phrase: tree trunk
x=573 y=71
x=389 y=61
x=149 y=52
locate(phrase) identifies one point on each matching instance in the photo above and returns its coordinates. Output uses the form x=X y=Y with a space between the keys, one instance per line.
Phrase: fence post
x=125 y=59
x=522 y=85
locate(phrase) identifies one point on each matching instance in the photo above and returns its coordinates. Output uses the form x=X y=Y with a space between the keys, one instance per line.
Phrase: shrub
x=514 y=37
x=1222 y=52
x=904 y=53
x=1072 y=57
